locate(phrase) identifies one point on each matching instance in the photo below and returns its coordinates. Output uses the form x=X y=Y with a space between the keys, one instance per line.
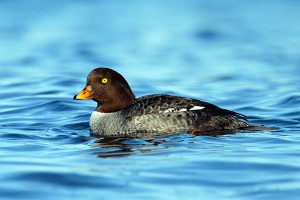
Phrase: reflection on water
x=239 y=56
x=120 y=147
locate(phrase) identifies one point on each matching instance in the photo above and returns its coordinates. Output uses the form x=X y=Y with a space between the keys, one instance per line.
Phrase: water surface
x=238 y=55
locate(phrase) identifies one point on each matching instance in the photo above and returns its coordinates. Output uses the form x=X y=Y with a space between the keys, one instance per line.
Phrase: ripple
x=208 y=35
x=54 y=105
x=72 y=180
x=16 y=136
x=291 y=100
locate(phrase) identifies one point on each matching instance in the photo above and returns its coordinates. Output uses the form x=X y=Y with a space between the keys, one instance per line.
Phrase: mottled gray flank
x=164 y=114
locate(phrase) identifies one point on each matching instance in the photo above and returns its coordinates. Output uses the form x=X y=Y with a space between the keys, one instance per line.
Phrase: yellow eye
x=104 y=80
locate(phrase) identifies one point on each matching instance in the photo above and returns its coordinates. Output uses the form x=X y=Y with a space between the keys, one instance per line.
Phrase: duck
x=120 y=114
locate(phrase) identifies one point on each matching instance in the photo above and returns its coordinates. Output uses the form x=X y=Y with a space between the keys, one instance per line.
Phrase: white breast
x=104 y=122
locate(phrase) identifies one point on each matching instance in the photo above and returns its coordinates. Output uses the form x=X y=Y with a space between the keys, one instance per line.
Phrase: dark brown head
x=109 y=89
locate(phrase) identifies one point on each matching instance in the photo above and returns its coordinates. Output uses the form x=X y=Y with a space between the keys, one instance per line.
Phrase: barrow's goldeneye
x=120 y=114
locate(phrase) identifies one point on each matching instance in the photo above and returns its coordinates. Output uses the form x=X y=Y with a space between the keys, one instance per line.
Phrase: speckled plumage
x=162 y=114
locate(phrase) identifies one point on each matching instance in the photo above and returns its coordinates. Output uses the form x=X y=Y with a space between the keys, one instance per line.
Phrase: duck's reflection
x=122 y=147
x=128 y=146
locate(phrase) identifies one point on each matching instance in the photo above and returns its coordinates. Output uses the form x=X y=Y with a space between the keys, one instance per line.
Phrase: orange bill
x=86 y=93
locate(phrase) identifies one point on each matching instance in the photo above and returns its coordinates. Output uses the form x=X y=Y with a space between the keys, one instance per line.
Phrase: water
x=242 y=56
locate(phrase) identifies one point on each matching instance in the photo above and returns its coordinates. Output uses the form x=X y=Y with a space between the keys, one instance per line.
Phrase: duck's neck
x=115 y=101
x=114 y=106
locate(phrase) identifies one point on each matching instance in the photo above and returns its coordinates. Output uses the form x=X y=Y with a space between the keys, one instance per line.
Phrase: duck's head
x=109 y=89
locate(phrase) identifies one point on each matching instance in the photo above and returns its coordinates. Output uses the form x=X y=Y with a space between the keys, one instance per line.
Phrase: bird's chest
x=105 y=123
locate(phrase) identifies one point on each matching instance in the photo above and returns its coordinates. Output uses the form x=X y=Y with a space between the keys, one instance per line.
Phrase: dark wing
x=164 y=103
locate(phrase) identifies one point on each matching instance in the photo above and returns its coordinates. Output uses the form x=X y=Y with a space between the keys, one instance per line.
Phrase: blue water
x=240 y=55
